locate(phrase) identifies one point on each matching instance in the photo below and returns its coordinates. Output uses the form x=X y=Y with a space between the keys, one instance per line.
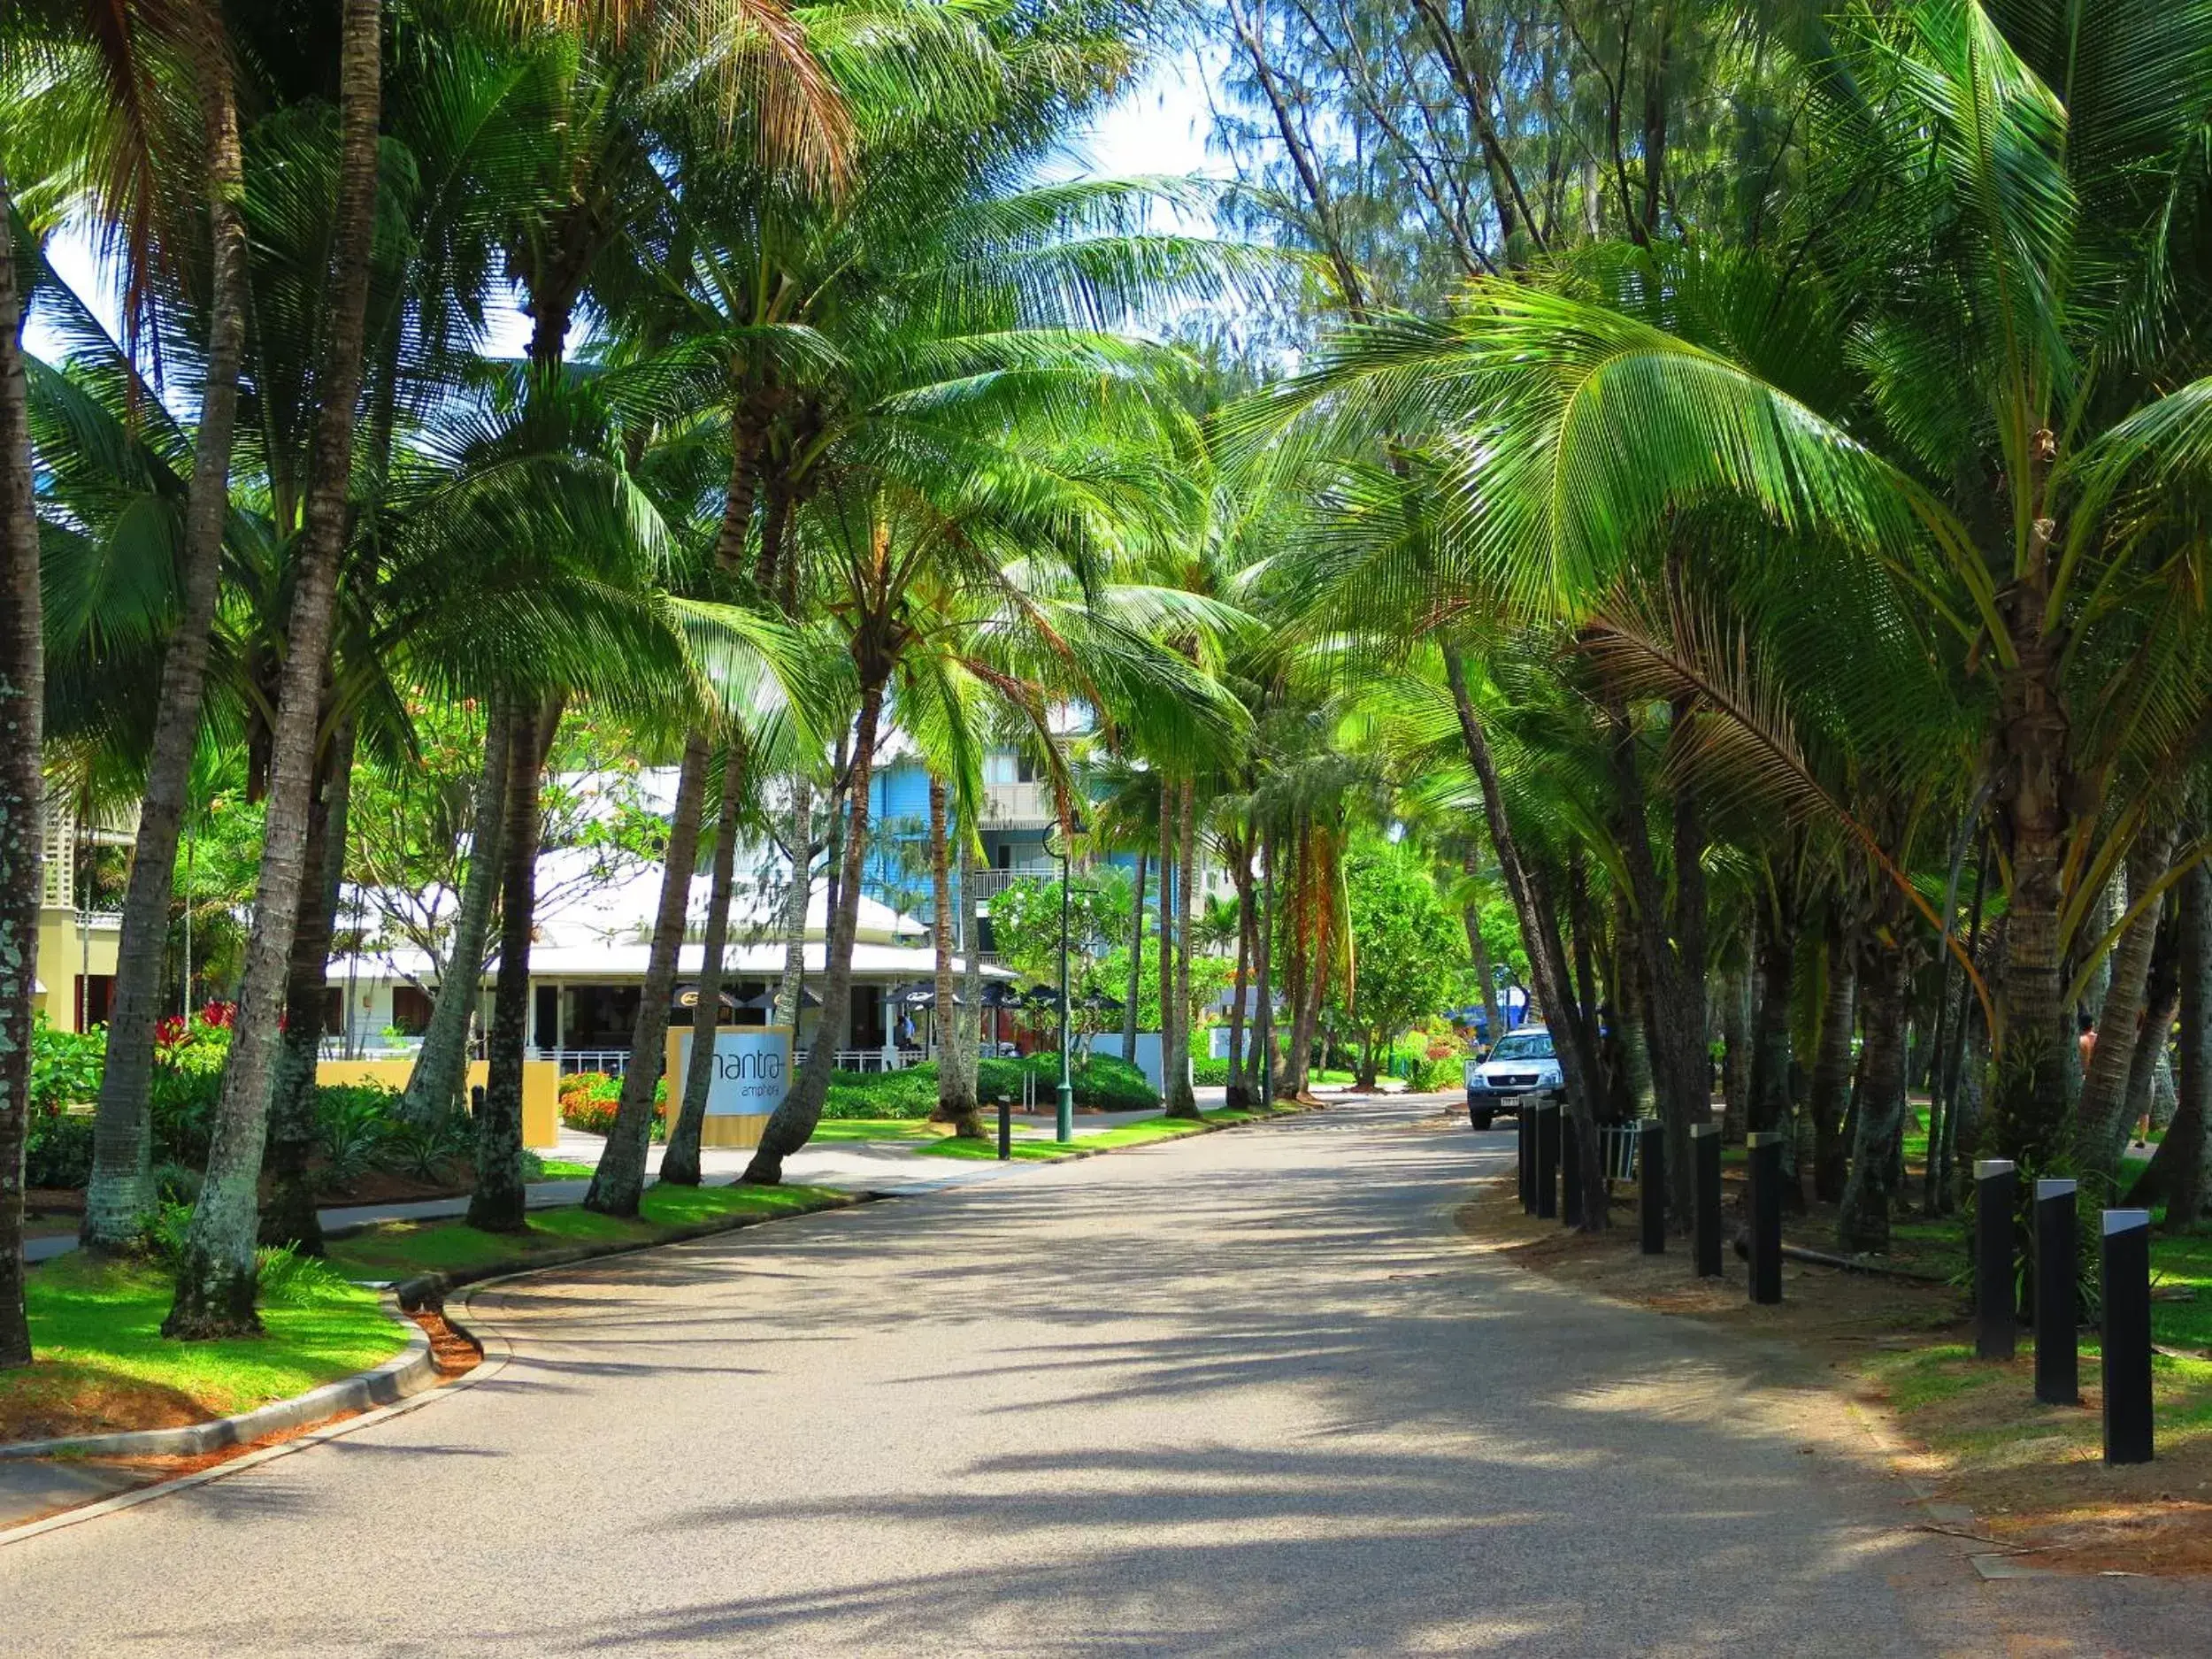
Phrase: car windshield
x=1535 y=1045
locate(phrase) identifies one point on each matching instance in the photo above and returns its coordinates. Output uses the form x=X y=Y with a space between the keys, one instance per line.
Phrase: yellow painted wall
x=62 y=956
x=540 y=1090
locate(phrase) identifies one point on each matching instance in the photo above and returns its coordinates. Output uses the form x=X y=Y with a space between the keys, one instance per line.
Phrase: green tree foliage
x=1411 y=951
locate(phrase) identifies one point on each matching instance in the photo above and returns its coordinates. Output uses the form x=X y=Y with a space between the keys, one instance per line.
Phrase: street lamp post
x=1061 y=844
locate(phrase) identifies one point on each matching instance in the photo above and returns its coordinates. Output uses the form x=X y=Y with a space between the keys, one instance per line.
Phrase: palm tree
x=22 y=792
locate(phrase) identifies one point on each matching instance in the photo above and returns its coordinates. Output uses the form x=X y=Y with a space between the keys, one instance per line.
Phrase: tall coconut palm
x=22 y=792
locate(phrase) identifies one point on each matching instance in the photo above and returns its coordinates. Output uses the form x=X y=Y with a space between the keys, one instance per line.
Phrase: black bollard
x=1651 y=1183
x=1005 y=1127
x=1525 y=1151
x=1548 y=1161
x=1764 y=1161
x=1705 y=1163
x=2127 y=1336
x=1996 y=1301
x=2057 y=1348
x=476 y=1100
x=1569 y=1171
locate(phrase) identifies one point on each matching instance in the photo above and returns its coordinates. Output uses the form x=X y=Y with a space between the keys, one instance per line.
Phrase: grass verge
x=102 y=1363
x=403 y=1250
x=1136 y=1134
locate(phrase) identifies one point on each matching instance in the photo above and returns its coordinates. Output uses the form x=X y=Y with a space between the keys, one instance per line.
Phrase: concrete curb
x=407 y=1372
x=430 y=1290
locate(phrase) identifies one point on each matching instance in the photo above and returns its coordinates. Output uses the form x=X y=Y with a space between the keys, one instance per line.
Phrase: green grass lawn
x=401 y=1249
x=102 y=1363
x=1134 y=1134
x=880 y=1129
x=562 y=1170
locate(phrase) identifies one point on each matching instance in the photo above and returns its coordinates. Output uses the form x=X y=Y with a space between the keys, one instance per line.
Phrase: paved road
x=1242 y=1396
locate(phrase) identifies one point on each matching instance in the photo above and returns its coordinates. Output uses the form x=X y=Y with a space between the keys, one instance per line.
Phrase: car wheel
x=1481 y=1120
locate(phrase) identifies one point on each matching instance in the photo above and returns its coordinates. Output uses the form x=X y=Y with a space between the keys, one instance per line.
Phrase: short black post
x=1005 y=1127
x=1570 y=1194
x=476 y=1100
x=1525 y=1150
x=1651 y=1183
x=1996 y=1301
x=1705 y=1162
x=2127 y=1336
x=2057 y=1345
x=1548 y=1161
x=1764 y=1159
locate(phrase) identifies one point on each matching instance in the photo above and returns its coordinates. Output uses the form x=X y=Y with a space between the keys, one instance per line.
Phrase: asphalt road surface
x=1248 y=1395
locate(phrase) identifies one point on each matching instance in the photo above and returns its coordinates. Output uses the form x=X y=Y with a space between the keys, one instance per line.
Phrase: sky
x=1159 y=126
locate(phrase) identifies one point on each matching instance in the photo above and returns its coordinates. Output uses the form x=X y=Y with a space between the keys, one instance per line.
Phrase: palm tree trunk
x=1832 y=1066
x=2026 y=1119
x=497 y=1202
x=1182 y=1100
x=680 y=1164
x=1862 y=1223
x=216 y=1281
x=433 y=1087
x=1238 y=1095
x=1478 y=953
x=119 y=1189
x=289 y=1217
x=790 y=989
x=1736 y=997
x=619 y=1182
x=22 y=788
x=1129 y=1020
x=969 y=1024
x=1266 y=1051
x=1770 y=1082
x=1536 y=911
x=2100 y=1130
x=956 y=1098
x=2188 y=1143
x=792 y=1123
x=1169 y=876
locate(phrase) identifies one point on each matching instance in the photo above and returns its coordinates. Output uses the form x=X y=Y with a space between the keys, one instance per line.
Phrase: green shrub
x=65 y=1066
x=1209 y=1073
x=354 y=1123
x=910 y=1093
x=1103 y=1081
x=58 y=1152
x=589 y=1100
x=181 y=1104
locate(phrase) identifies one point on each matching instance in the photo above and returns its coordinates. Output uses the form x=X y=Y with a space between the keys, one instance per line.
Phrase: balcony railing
x=990 y=883
x=1017 y=806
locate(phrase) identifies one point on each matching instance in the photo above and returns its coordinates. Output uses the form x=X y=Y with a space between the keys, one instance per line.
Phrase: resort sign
x=750 y=1074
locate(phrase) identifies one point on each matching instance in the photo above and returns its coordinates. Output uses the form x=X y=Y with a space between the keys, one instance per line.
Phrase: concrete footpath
x=1243 y=1396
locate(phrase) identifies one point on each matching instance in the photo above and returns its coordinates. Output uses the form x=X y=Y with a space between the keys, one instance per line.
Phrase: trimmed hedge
x=1108 y=1084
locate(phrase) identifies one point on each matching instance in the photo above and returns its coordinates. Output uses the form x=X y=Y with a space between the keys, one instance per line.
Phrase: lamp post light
x=1060 y=841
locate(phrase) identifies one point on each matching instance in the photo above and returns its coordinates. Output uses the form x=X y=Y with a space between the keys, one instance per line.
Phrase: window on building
x=1025 y=768
x=95 y=996
x=546 y=1027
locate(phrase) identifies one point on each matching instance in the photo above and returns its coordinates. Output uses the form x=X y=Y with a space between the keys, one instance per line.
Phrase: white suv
x=1521 y=1068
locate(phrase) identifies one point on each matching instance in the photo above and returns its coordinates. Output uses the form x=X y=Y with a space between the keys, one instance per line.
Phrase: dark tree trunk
x=2099 y=1129
x=680 y=1162
x=1831 y=1065
x=1479 y=954
x=120 y=1188
x=791 y=989
x=1863 y=1224
x=618 y=1183
x=1537 y=914
x=1770 y=1082
x=792 y=1123
x=217 y=1279
x=289 y=1217
x=1238 y=1095
x=1129 y=1012
x=1266 y=1051
x=22 y=788
x=2186 y=1152
x=496 y=1203
x=433 y=1087
x=1170 y=874
x=955 y=1106
x=1181 y=1101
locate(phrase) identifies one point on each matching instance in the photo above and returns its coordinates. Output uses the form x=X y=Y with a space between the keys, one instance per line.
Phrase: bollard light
x=1763 y=1153
x=2057 y=1315
x=1705 y=1165
x=1996 y=1315
x=2127 y=1336
x=1651 y=1184
x=1571 y=1193
x=1548 y=1161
